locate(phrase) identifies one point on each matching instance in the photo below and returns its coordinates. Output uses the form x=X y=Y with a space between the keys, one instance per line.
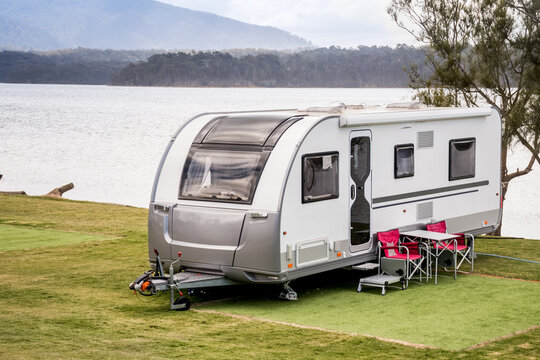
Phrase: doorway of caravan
x=360 y=190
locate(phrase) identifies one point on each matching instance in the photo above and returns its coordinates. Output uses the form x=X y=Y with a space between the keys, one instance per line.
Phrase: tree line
x=73 y=66
x=324 y=67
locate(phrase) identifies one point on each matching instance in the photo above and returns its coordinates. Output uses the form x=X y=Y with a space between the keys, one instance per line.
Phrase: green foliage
x=435 y=97
x=481 y=52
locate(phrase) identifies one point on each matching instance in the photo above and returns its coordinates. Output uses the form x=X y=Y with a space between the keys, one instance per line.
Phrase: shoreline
x=205 y=87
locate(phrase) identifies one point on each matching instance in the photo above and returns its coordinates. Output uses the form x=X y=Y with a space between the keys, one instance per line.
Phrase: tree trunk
x=504 y=184
x=57 y=193
x=497 y=231
x=13 y=192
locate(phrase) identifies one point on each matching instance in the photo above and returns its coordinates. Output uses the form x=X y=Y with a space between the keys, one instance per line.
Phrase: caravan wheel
x=182 y=301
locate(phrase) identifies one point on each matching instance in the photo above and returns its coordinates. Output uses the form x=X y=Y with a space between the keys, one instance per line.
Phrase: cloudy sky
x=345 y=23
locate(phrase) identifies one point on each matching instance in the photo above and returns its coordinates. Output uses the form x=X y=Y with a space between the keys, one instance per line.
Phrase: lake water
x=108 y=140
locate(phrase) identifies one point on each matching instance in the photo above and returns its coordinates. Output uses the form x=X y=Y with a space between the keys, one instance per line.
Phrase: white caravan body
x=270 y=196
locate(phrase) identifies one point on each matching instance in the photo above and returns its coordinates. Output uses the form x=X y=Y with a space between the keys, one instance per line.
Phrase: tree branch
x=534 y=150
x=517 y=173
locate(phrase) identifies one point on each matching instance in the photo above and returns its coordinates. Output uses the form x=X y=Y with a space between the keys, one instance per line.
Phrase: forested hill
x=325 y=67
x=74 y=66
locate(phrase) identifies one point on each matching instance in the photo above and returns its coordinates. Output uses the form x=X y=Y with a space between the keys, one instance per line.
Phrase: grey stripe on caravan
x=429 y=192
x=425 y=199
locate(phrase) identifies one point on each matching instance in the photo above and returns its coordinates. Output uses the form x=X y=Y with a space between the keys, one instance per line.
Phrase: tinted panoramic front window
x=462 y=158
x=221 y=175
x=245 y=130
x=403 y=160
x=320 y=177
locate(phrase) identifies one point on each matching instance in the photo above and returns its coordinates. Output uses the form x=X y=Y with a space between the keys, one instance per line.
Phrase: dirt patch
x=482 y=344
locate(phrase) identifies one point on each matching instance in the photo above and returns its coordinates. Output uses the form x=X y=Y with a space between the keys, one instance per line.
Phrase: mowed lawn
x=17 y=238
x=452 y=315
x=69 y=299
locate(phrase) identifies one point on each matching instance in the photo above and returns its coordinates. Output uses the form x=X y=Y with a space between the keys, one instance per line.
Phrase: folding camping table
x=441 y=239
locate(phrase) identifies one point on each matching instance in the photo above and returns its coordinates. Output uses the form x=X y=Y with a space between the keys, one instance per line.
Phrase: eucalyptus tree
x=481 y=52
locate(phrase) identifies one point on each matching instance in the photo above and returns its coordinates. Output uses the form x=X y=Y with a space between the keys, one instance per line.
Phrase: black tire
x=182 y=300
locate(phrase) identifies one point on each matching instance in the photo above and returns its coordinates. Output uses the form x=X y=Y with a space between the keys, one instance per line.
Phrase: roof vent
x=355 y=107
x=405 y=105
x=338 y=108
x=326 y=109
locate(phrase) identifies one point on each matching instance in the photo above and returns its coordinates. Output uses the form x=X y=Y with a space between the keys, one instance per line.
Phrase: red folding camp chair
x=464 y=245
x=403 y=259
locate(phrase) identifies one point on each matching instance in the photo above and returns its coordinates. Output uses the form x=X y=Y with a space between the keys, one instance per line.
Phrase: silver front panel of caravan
x=206 y=236
x=259 y=245
x=158 y=231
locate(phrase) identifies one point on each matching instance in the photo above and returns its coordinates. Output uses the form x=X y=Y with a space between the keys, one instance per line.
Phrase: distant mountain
x=129 y=24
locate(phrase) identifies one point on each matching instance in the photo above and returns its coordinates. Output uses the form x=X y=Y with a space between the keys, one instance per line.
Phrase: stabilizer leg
x=287 y=293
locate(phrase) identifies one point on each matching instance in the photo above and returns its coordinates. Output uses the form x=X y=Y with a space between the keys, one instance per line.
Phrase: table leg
x=455 y=259
x=436 y=263
x=430 y=261
x=429 y=275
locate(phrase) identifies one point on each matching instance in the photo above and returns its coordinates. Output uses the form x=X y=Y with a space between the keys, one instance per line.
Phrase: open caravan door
x=360 y=190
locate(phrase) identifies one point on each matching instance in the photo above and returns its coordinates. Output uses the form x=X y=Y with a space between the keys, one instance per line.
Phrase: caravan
x=271 y=196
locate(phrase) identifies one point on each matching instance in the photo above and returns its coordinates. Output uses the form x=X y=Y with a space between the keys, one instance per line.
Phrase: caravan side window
x=462 y=158
x=403 y=160
x=320 y=177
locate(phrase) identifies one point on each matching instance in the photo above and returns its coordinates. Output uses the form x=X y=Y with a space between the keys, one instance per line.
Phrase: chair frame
x=466 y=254
x=415 y=264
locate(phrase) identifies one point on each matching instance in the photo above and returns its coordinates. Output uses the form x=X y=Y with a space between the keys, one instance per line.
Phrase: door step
x=365 y=266
x=382 y=280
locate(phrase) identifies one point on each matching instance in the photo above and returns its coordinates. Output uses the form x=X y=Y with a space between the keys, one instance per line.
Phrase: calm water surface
x=108 y=140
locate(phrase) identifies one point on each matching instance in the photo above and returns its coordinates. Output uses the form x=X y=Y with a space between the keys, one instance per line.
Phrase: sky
x=345 y=23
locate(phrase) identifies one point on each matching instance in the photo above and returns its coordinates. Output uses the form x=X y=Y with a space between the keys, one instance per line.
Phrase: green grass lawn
x=516 y=248
x=72 y=301
x=18 y=237
x=451 y=315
